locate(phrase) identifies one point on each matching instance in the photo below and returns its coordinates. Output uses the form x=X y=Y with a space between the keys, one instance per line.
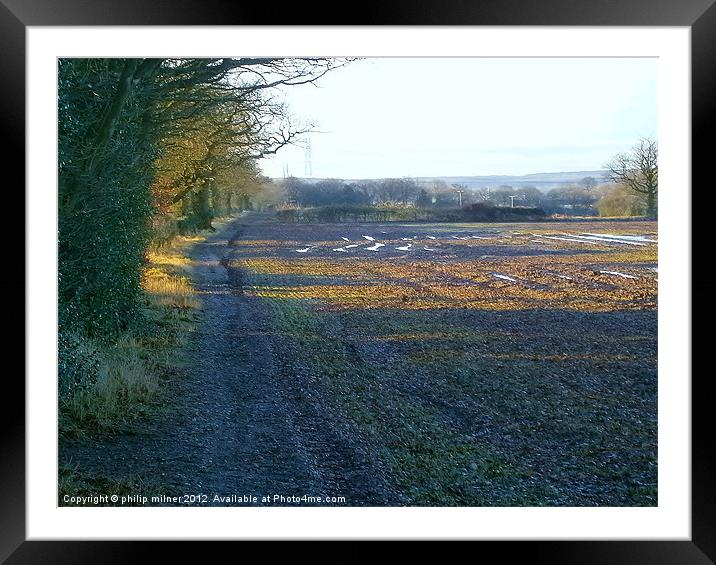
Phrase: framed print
x=416 y=302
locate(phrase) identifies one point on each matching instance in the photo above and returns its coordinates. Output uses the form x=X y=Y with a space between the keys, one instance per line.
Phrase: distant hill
x=542 y=181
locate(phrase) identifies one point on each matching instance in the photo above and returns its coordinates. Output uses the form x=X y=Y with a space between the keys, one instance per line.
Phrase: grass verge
x=121 y=384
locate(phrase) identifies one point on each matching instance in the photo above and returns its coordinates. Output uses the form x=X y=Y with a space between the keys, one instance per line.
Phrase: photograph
x=411 y=278
x=358 y=281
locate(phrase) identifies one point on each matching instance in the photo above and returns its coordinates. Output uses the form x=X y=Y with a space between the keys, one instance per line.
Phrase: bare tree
x=484 y=194
x=460 y=189
x=638 y=171
x=588 y=183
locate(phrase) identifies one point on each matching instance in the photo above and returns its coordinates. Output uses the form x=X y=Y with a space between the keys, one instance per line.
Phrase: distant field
x=486 y=364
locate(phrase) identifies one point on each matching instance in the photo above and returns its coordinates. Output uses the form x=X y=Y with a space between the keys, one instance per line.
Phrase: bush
x=79 y=364
x=288 y=215
x=351 y=213
x=481 y=212
x=619 y=201
x=487 y=212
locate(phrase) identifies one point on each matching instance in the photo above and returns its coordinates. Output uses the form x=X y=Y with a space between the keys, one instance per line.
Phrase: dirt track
x=246 y=423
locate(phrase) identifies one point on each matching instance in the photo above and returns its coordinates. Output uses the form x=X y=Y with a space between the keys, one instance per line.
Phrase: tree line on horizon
x=619 y=194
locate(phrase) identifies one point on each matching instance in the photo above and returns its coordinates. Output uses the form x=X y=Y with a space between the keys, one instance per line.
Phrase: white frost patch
x=345 y=239
x=563 y=277
x=341 y=249
x=431 y=237
x=568 y=239
x=642 y=238
x=655 y=269
x=375 y=247
x=503 y=277
x=429 y=248
x=460 y=238
x=304 y=250
x=479 y=237
x=368 y=238
x=405 y=247
x=607 y=240
x=406 y=238
x=618 y=274
x=351 y=246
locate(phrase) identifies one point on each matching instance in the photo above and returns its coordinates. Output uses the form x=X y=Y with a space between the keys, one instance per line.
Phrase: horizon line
x=444 y=176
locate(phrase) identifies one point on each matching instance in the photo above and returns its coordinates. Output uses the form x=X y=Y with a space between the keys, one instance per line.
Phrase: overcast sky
x=398 y=117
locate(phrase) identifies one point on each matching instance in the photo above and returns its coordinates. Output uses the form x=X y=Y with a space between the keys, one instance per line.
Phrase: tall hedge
x=104 y=204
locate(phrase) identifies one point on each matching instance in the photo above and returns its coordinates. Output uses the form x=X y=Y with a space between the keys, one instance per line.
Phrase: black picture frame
x=699 y=15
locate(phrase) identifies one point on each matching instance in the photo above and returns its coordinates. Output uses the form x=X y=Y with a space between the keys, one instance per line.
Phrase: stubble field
x=482 y=364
